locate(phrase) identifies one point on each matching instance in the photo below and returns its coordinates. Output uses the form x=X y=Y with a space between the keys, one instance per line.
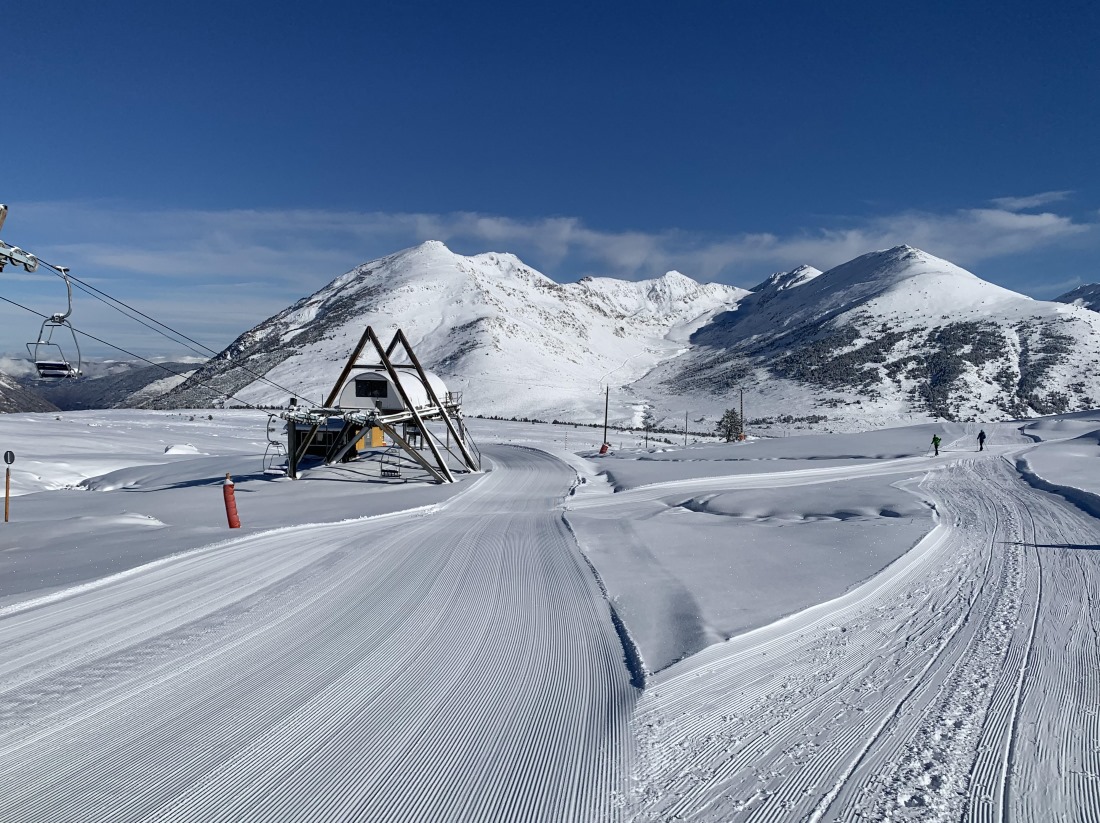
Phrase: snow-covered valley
x=835 y=627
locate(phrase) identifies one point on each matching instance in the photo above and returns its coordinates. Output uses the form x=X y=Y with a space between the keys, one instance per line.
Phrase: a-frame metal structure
x=355 y=422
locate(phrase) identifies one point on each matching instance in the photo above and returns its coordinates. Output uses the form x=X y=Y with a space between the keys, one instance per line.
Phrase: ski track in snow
x=462 y=665
x=959 y=684
x=448 y=667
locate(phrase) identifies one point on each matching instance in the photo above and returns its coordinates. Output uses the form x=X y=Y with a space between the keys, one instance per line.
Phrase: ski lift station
x=397 y=411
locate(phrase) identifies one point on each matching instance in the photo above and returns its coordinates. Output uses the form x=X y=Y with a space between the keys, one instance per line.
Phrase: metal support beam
x=298 y=444
x=307 y=441
x=471 y=464
x=392 y=372
x=338 y=445
x=291 y=450
x=416 y=455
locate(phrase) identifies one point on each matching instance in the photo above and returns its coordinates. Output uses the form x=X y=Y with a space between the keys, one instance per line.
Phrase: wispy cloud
x=296 y=247
x=217 y=273
x=1033 y=201
x=1056 y=289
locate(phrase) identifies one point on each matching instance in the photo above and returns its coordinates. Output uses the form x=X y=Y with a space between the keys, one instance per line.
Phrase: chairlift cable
x=114 y=302
x=216 y=393
x=244 y=368
x=57 y=320
x=139 y=321
x=111 y=301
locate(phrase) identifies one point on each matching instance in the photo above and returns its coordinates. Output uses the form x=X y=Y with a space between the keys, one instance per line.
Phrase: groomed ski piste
x=828 y=627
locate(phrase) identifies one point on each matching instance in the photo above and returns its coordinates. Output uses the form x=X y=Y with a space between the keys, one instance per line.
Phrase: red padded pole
x=230 y=503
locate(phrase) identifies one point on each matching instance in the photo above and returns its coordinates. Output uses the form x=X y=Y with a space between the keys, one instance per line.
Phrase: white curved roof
x=410 y=382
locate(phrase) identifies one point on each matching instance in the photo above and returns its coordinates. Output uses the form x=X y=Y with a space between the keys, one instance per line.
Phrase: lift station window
x=370 y=388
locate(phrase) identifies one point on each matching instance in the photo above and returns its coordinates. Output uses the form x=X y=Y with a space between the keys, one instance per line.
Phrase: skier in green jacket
x=936 y=444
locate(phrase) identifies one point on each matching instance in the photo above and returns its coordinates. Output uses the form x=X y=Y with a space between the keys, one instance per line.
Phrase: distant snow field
x=827 y=627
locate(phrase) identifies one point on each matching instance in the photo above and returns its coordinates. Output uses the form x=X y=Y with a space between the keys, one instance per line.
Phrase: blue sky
x=211 y=162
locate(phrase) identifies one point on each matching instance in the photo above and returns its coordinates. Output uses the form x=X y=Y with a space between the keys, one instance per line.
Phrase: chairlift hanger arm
x=60 y=318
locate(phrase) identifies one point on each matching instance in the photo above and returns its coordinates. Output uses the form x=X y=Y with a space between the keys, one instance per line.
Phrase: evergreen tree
x=730 y=425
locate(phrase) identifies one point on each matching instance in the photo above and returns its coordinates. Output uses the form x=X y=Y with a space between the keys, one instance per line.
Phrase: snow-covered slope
x=895 y=332
x=782 y=280
x=892 y=336
x=513 y=340
x=14 y=398
x=108 y=384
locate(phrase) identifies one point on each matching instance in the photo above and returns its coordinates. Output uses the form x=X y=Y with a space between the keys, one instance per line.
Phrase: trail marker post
x=9 y=458
x=230 y=503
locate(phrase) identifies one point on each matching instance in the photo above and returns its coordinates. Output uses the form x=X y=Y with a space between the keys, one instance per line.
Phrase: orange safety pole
x=230 y=503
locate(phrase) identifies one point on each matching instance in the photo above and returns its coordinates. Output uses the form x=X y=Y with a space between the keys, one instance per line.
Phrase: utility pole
x=606 y=399
x=685 y=428
x=741 y=434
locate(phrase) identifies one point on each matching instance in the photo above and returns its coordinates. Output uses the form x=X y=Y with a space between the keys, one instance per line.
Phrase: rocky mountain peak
x=1087 y=296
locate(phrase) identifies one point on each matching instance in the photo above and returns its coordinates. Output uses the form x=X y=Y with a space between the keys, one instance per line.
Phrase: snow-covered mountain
x=14 y=398
x=783 y=280
x=895 y=332
x=892 y=336
x=1087 y=296
x=108 y=384
x=513 y=340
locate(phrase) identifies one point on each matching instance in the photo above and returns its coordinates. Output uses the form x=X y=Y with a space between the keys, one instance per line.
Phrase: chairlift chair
x=275 y=450
x=48 y=356
x=389 y=464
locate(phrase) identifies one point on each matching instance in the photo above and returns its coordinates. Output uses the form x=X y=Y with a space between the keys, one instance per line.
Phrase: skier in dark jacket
x=981 y=440
x=936 y=444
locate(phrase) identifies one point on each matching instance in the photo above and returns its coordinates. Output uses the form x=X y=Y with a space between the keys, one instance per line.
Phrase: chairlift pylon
x=48 y=356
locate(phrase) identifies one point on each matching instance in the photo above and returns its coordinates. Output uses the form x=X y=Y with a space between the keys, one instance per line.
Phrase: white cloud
x=15 y=367
x=214 y=274
x=1030 y=202
x=1057 y=289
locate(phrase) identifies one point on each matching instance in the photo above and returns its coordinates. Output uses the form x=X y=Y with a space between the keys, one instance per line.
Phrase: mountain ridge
x=487 y=319
x=893 y=335
x=1087 y=296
